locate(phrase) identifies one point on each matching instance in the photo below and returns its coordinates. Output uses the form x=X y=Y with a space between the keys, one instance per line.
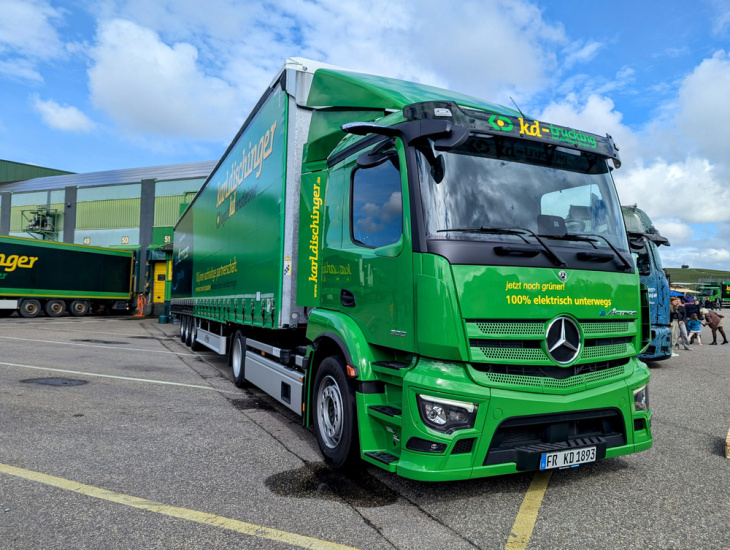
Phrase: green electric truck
x=716 y=292
x=54 y=277
x=438 y=285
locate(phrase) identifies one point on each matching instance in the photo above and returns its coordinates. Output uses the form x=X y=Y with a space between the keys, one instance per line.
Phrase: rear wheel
x=189 y=331
x=335 y=422
x=238 y=359
x=194 y=343
x=30 y=308
x=182 y=329
x=55 y=308
x=79 y=308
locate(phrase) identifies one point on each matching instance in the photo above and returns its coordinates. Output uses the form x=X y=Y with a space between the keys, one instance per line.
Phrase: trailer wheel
x=30 y=308
x=335 y=422
x=189 y=331
x=55 y=308
x=79 y=308
x=238 y=359
x=195 y=345
x=182 y=329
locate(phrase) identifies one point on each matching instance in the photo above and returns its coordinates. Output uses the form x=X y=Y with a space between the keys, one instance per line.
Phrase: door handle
x=347 y=298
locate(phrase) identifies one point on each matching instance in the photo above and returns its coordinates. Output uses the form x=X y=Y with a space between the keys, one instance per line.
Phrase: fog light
x=641 y=399
x=445 y=415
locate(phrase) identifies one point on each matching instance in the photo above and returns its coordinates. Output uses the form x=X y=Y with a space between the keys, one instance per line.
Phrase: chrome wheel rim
x=330 y=412
x=236 y=359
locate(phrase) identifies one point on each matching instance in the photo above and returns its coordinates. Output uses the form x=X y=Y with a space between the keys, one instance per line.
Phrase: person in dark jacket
x=678 y=315
x=713 y=320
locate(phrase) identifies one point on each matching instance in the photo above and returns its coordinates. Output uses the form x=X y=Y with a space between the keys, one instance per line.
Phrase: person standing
x=713 y=320
x=679 y=330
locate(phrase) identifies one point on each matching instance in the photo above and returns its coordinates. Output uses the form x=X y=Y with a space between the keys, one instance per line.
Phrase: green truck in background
x=439 y=285
x=54 y=277
x=717 y=292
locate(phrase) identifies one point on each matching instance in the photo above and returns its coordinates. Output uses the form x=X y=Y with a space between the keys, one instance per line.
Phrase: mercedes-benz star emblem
x=562 y=276
x=563 y=340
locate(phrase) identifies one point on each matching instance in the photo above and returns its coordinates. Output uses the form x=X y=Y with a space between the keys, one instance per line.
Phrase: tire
x=29 y=308
x=55 y=308
x=335 y=420
x=189 y=331
x=238 y=359
x=195 y=345
x=79 y=308
x=182 y=329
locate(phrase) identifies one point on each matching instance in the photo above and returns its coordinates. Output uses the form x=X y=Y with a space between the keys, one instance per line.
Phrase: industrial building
x=133 y=209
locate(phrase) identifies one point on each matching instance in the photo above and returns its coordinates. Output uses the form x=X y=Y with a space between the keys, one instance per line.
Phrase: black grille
x=514 y=437
x=549 y=371
x=463 y=446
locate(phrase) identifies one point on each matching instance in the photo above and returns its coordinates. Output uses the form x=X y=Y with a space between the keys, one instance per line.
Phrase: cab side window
x=377 y=205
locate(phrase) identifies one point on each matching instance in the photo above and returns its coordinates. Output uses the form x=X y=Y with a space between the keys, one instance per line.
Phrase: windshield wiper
x=591 y=238
x=515 y=230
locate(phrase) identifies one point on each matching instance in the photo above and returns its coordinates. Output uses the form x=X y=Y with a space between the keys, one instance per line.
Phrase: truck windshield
x=495 y=182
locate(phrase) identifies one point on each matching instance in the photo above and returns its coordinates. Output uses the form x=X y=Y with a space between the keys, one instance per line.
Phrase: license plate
x=567 y=459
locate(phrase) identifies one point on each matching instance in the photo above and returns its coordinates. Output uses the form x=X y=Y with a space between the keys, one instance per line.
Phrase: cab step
x=386 y=414
x=383 y=459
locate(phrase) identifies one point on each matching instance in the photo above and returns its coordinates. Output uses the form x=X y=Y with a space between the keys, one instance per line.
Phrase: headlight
x=445 y=415
x=641 y=399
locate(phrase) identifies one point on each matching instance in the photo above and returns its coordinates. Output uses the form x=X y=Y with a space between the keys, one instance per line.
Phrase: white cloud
x=581 y=53
x=20 y=69
x=675 y=230
x=149 y=87
x=67 y=118
x=704 y=108
x=596 y=115
x=26 y=29
x=721 y=22
x=689 y=190
x=28 y=37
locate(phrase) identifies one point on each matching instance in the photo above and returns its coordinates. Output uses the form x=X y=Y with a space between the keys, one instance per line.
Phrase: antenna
x=517 y=106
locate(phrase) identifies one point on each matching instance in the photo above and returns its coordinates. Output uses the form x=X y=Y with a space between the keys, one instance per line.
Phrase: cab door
x=367 y=259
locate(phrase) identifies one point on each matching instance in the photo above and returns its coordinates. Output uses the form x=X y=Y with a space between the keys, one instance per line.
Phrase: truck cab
x=645 y=241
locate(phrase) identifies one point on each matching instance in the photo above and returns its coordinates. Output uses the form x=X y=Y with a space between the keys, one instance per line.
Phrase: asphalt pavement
x=113 y=434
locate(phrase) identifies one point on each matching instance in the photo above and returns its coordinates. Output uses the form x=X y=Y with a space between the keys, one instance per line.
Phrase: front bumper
x=513 y=428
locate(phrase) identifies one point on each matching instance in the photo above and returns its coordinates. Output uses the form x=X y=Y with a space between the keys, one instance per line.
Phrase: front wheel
x=335 y=422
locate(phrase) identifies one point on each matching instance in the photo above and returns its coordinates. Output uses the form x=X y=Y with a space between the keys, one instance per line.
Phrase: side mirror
x=637 y=244
x=378 y=156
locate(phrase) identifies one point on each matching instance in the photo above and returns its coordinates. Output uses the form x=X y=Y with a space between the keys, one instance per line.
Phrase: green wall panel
x=167 y=210
x=107 y=214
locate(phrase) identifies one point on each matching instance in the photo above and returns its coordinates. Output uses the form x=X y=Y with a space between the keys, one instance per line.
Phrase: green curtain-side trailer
x=438 y=285
x=56 y=277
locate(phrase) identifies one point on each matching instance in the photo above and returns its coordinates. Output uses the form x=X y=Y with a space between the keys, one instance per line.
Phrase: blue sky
x=105 y=84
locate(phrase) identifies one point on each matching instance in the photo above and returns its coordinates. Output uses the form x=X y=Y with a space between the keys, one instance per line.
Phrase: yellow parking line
x=527 y=515
x=173 y=511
